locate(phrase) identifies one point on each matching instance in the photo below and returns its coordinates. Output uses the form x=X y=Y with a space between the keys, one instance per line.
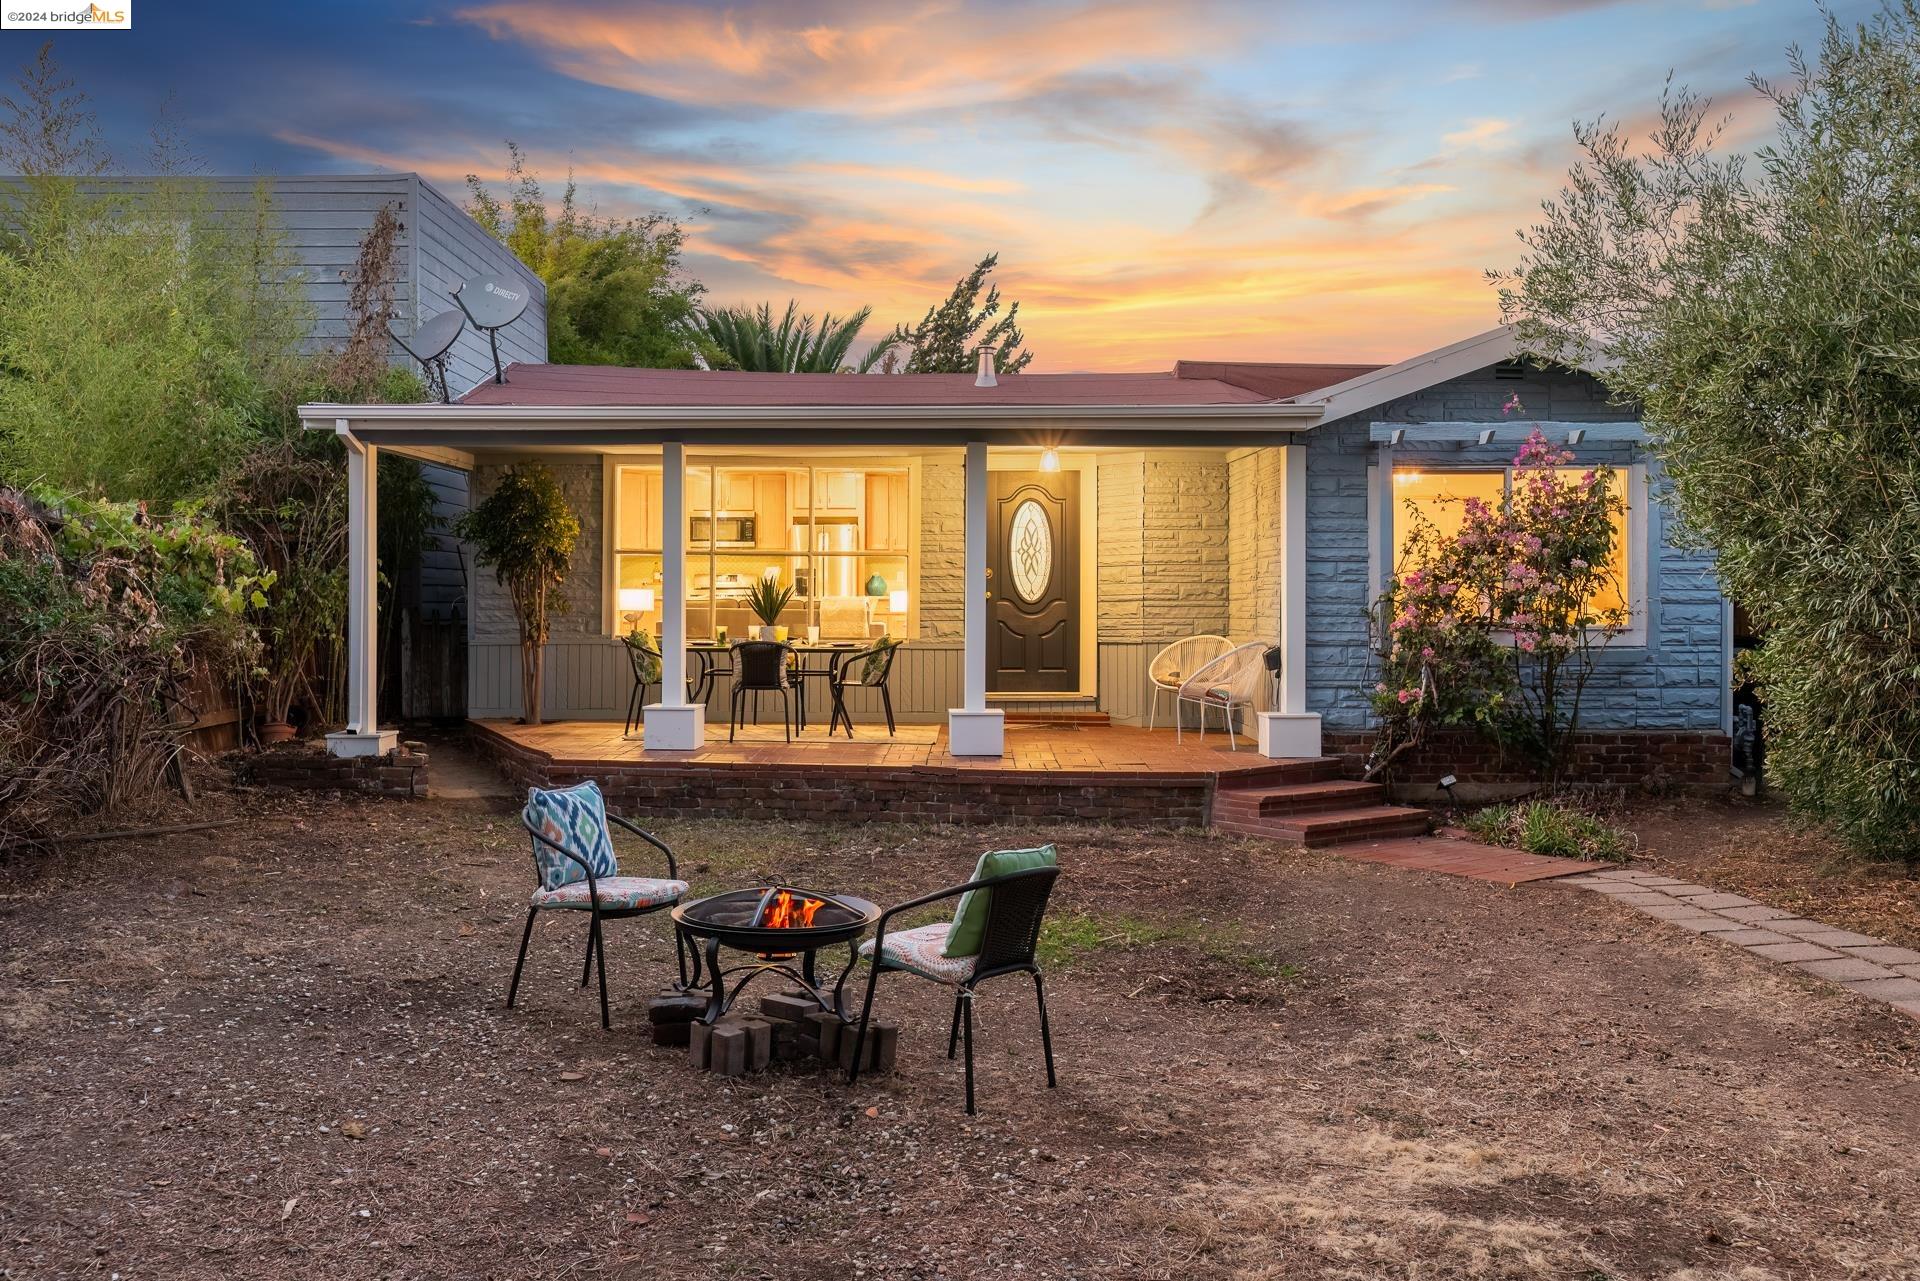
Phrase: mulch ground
x=1751 y=849
x=279 y=1050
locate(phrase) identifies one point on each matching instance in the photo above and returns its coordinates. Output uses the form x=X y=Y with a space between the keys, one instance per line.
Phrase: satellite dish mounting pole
x=496 y=303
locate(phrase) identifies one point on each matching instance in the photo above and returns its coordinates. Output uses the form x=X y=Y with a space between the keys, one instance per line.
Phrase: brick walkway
x=1867 y=965
x=1464 y=858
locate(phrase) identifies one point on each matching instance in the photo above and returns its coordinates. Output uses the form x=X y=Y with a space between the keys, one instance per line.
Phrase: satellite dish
x=430 y=344
x=492 y=303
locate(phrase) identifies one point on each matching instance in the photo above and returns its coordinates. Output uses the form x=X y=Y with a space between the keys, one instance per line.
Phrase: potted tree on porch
x=526 y=532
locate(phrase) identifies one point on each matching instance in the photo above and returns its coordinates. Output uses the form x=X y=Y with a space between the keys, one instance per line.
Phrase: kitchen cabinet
x=840 y=492
x=771 y=526
x=887 y=512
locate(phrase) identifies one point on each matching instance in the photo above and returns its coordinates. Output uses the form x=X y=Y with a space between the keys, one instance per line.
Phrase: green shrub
x=1553 y=828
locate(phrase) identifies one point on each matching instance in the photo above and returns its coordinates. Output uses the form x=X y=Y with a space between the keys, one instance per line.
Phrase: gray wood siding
x=450 y=247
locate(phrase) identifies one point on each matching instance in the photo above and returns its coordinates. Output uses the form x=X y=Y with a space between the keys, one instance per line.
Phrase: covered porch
x=1030 y=552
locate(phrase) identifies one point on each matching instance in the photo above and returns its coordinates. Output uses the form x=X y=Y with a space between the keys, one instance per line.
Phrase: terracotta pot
x=276 y=732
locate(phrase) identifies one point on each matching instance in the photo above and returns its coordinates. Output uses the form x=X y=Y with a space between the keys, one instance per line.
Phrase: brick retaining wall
x=309 y=767
x=1614 y=760
x=863 y=793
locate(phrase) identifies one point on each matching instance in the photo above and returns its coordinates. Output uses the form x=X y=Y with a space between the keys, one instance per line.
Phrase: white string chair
x=1230 y=682
x=1174 y=663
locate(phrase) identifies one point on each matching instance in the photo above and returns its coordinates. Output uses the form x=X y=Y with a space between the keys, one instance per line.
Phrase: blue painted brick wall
x=1674 y=681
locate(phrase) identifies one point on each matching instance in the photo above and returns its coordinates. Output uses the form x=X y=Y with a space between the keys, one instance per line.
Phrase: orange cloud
x=843 y=57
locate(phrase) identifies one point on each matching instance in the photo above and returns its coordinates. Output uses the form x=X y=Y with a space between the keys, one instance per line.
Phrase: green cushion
x=970 y=918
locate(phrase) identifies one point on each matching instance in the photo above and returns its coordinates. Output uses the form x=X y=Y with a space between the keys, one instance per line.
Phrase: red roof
x=1272 y=380
x=614 y=385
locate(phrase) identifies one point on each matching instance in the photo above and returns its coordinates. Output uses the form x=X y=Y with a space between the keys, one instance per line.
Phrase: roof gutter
x=427 y=417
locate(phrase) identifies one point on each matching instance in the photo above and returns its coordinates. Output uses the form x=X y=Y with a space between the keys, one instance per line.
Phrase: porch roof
x=612 y=385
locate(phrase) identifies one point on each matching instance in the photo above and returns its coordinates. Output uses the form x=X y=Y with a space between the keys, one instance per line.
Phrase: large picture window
x=1440 y=495
x=840 y=536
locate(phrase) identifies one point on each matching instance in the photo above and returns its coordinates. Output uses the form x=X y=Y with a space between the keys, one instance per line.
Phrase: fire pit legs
x=720 y=998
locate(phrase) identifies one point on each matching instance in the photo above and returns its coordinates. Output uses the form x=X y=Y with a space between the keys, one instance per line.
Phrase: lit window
x=1440 y=495
x=839 y=536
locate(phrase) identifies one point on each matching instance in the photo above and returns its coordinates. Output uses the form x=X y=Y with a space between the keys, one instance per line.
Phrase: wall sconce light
x=1486 y=437
x=1049 y=459
x=1577 y=435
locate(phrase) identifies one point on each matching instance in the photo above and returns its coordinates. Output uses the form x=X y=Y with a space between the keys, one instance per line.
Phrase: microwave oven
x=726 y=531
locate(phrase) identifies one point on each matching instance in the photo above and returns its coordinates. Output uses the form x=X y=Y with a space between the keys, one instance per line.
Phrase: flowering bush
x=1493 y=625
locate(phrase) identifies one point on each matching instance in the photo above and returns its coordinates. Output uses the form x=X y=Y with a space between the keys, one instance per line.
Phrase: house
x=1037 y=540
x=323 y=218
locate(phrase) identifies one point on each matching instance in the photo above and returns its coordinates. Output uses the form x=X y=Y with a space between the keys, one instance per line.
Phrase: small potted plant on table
x=766 y=598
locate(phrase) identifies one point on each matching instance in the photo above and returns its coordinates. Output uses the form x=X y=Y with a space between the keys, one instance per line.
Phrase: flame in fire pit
x=789 y=911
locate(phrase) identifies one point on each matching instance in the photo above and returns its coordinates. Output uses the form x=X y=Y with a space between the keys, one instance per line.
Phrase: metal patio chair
x=852 y=671
x=761 y=667
x=1016 y=906
x=1231 y=682
x=1174 y=663
x=579 y=871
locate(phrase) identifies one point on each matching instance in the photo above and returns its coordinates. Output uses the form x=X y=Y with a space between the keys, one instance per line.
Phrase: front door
x=1033 y=582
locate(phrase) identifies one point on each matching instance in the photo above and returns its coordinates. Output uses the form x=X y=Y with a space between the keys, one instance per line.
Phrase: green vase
x=876 y=586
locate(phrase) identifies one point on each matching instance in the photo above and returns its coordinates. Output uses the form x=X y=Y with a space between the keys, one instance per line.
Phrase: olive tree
x=1765 y=314
x=526 y=531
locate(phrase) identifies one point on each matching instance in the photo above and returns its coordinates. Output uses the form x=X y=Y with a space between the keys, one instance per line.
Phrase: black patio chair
x=579 y=871
x=1016 y=905
x=761 y=667
x=646 y=673
x=853 y=671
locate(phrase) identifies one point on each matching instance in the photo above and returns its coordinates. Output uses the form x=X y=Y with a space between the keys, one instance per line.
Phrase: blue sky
x=1209 y=178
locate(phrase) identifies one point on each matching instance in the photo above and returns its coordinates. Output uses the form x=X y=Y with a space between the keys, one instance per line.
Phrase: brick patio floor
x=1860 y=962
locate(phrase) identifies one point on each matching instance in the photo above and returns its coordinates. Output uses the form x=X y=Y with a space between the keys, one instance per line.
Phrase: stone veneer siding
x=1675 y=680
x=1256 y=489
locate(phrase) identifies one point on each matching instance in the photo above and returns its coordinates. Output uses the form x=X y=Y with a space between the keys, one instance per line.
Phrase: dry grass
x=278 y=1050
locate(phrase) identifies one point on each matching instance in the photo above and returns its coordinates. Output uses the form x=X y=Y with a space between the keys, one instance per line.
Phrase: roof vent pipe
x=985 y=377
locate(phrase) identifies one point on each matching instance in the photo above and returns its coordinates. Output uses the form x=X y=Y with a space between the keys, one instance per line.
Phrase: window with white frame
x=1440 y=495
x=840 y=536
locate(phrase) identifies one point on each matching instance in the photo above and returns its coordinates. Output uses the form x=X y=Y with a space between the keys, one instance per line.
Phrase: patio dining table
x=704 y=651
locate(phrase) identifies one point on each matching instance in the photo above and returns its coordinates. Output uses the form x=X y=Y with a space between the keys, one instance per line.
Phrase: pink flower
x=1406 y=695
x=1513 y=405
x=1426 y=651
x=1380 y=687
x=1578 y=563
x=1527 y=643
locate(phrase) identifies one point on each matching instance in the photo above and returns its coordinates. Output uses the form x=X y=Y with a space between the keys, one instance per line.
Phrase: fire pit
x=778 y=925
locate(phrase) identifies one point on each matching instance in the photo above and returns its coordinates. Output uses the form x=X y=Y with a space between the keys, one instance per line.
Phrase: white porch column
x=1291 y=730
x=362 y=735
x=974 y=729
x=673 y=724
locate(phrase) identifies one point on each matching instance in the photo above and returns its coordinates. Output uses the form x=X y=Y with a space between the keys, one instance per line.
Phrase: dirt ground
x=1748 y=848
x=279 y=1049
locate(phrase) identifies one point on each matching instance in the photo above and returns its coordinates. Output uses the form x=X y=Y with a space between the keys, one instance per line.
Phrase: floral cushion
x=574 y=817
x=617 y=893
x=922 y=951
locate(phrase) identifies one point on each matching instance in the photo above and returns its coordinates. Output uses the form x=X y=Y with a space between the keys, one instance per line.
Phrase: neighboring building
x=1109 y=514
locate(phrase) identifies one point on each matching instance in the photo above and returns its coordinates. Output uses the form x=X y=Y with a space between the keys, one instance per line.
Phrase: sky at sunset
x=1195 y=178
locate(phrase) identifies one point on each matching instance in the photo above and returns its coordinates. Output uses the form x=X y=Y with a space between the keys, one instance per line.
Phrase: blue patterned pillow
x=575 y=817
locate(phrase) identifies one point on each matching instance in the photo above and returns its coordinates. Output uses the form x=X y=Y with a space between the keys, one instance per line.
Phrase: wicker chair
x=579 y=871
x=1174 y=664
x=1231 y=682
x=1016 y=906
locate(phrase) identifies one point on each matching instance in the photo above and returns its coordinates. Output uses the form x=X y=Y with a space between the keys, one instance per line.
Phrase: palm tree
x=749 y=339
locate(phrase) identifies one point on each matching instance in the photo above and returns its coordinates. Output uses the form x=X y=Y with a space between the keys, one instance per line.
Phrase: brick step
x=1331 y=827
x=1311 y=770
x=1297 y=798
x=1079 y=720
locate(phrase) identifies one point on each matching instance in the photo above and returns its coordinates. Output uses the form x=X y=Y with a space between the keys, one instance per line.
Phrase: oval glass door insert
x=1032 y=559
